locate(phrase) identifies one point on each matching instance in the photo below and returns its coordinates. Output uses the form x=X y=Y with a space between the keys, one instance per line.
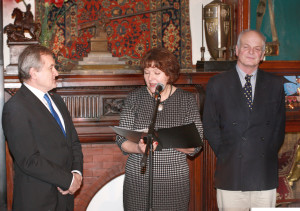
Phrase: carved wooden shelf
x=94 y=101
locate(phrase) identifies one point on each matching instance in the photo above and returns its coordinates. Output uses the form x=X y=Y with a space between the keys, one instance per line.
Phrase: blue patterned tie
x=248 y=91
x=54 y=114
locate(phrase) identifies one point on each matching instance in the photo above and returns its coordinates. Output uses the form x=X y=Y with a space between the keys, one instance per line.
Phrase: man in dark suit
x=41 y=137
x=244 y=123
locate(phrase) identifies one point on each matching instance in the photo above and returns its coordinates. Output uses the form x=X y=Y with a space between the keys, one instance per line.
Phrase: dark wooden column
x=3 y=187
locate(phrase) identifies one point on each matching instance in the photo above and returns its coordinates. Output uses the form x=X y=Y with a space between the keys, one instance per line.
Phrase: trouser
x=244 y=200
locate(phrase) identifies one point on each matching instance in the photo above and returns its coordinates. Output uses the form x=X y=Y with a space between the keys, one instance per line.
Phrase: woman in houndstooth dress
x=171 y=189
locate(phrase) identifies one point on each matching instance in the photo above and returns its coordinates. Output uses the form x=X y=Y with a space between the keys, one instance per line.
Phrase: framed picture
x=287 y=16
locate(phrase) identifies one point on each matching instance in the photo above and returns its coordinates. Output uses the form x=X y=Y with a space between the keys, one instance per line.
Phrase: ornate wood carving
x=83 y=106
x=93 y=107
x=112 y=106
x=95 y=103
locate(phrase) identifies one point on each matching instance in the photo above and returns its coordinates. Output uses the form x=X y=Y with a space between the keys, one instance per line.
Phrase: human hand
x=77 y=180
x=63 y=192
x=142 y=146
x=185 y=150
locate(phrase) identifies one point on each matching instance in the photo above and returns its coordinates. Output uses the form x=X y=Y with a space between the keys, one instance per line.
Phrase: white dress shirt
x=40 y=95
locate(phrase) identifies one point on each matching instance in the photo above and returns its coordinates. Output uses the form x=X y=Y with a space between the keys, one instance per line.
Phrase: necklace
x=161 y=106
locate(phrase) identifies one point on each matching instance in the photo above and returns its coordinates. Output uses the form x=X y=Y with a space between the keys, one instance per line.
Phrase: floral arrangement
x=51 y=12
x=48 y=29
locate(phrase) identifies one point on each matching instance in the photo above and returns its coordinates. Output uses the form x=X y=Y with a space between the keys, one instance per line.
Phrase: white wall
x=195 y=16
x=196 y=29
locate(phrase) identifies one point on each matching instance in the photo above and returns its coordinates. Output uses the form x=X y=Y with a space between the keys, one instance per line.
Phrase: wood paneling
x=95 y=103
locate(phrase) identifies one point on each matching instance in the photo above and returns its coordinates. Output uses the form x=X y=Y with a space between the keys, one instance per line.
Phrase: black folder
x=186 y=136
x=131 y=135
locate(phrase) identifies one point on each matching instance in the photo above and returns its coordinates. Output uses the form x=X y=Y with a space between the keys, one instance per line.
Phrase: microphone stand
x=149 y=148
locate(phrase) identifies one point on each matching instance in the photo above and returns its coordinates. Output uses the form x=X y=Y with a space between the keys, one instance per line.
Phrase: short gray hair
x=31 y=58
x=251 y=30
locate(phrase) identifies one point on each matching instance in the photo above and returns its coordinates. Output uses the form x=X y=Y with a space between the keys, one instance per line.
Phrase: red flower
x=58 y=3
x=18 y=1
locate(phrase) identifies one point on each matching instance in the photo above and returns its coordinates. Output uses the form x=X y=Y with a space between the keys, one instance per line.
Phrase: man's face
x=45 y=77
x=250 y=52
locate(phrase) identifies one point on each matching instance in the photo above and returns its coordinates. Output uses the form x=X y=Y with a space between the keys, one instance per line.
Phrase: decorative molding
x=93 y=107
x=83 y=106
x=112 y=106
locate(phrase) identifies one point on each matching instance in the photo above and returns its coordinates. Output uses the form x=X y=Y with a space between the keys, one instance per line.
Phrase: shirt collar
x=38 y=93
x=242 y=75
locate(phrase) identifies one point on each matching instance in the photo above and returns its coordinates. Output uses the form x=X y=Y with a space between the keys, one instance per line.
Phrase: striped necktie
x=248 y=91
x=54 y=114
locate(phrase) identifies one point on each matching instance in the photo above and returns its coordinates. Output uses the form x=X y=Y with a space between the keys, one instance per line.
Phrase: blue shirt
x=242 y=76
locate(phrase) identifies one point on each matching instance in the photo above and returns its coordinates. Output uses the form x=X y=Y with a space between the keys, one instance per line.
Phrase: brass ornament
x=217 y=17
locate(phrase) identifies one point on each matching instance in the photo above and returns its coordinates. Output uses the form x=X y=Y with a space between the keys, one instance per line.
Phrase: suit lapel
x=260 y=90
x=32 y=100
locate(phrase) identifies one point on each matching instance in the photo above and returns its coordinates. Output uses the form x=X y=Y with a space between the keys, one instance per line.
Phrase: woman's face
x=152 y=76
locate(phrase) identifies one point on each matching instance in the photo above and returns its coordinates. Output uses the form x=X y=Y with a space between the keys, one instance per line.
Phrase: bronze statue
x=28 y=16
x=14 y=35
x=23 y=23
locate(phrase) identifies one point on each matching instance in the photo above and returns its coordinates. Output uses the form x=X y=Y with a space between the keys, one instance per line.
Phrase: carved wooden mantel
x=95 y=101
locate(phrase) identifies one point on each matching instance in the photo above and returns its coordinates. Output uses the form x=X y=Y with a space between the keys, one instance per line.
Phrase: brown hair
x=164 y=60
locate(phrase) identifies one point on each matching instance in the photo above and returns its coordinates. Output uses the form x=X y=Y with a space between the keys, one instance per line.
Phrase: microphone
x=158 y=89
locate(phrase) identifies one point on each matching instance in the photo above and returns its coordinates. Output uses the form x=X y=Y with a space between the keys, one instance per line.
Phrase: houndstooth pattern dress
x=171 y=187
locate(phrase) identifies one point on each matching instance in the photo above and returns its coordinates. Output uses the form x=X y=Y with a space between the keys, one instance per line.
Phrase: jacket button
x=262 y=138
x=263 y=154
x=240 y=155
x=234 y=124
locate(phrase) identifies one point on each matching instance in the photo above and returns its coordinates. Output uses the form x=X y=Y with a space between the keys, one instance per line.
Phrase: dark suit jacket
x=43 y=156
x=245 y=142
